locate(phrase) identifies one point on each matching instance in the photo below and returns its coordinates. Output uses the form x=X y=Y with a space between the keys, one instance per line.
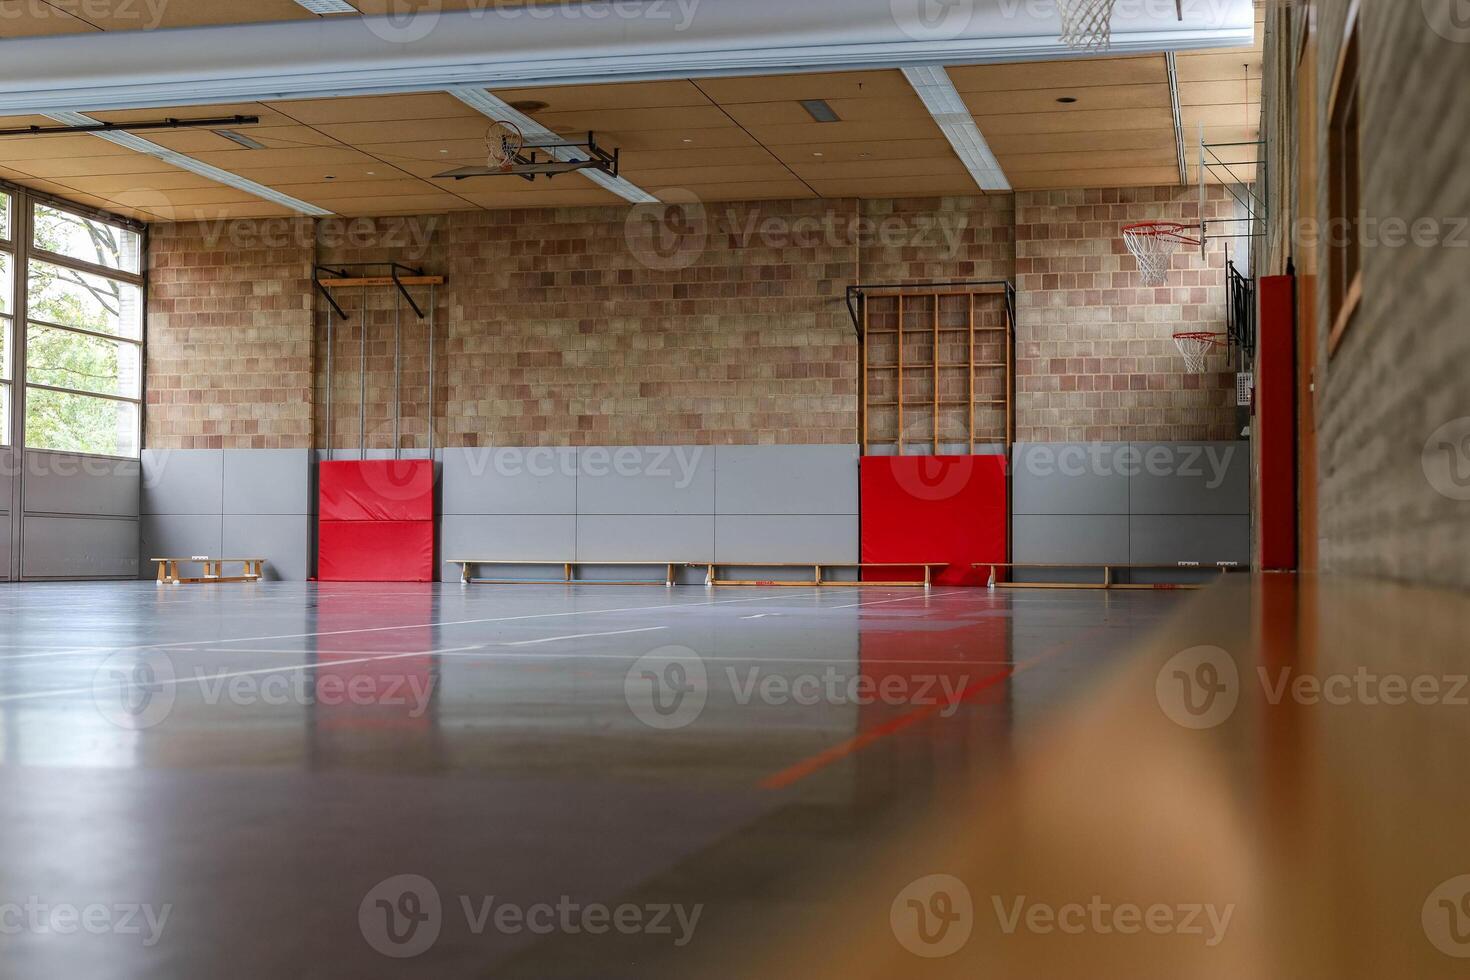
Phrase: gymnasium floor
x=258 y=759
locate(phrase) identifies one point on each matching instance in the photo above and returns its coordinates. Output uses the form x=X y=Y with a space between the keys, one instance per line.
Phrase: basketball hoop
x=503 y=144
x=1196 y=347
x=1087 y=24
x=1153 y=244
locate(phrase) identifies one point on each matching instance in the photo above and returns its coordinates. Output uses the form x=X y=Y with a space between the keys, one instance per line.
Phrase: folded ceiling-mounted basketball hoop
x=1087 y=25
x=1153 y=244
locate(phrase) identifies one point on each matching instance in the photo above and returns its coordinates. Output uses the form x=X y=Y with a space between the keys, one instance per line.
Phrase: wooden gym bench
x=711 y=577
x=214 y=570
x=1108 y=570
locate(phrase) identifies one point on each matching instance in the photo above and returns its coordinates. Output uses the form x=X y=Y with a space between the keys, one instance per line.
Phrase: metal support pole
x=397 y=367
x=329 y=383
x=433 y=309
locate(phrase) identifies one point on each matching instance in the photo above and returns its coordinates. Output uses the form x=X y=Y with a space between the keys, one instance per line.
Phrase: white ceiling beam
x=596 y=41
x=173 y=157
x=534 y=132
x=937 y=92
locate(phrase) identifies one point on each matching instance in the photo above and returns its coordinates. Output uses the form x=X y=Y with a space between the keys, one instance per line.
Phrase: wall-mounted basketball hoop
x=1153 y=244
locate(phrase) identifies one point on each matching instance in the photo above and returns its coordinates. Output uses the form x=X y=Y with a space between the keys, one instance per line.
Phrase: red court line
x=816 y=763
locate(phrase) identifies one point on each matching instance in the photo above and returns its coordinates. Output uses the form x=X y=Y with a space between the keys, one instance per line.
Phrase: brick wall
x=722 y=324
x=1393 y=407
x=1095 y=356
x=229 y=336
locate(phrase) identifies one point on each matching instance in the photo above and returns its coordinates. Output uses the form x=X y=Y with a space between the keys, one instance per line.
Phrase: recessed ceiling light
x=819 y=110
x=688 y=140
x=817 y=154
x=372 y=173
x=329 y=177
x=1066 y=100
x=244 y=141
x=329 y=6
x=528 y=106
x=443 y=151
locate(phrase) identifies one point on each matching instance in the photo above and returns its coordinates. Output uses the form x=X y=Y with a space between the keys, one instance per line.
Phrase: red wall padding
x=1275 y=422
x=934 y=508
x=375 y=551
x=376 y=521
x=377 y=490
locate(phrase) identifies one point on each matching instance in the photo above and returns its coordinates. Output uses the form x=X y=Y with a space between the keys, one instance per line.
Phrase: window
x=84 y=332
x=7 y=317
x=1344 y=251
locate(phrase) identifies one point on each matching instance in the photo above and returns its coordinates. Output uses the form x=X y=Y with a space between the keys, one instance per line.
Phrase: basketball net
x=1087 y=24
x=1153 y=244
x=1196 y=348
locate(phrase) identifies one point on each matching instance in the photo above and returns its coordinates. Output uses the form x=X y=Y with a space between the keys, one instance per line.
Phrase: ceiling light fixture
x=937 y=92
x=528 y=106
x=325 y=7
x=819 y=110
x=244 y=141
x=1067 y=100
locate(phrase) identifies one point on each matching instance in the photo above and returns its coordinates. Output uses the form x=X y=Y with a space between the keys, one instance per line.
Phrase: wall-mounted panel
x=659 y=537
x=180 y=536
x=1090 y=539
x=510 y=481
x=268 y=481
x=284 y=540
x=183 y=481
x=531 y=537
x=84 y=486
x=1170 y=538
x=646 y=480
x=775 y=538
x=786 y=479
x=79 y=547
x=1190 y=478
x=1070 y=478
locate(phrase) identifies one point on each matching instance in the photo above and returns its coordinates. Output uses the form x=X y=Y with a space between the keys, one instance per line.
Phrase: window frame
x=9 y=242
x=24 y=252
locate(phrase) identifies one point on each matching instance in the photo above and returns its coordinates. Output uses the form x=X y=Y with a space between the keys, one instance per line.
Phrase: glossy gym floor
x=593 y=781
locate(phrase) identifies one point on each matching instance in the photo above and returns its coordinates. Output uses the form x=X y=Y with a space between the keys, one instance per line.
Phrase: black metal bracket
x=404 y=290
x=530 y=164
x=1240 y=310
x=316 y=280
x=168 y=122
x=857 y=295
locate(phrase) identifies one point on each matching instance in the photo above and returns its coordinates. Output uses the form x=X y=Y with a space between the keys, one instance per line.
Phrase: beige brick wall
x=1095 y=356
x=229 y=336
x=1391 y=489
x=591 y=326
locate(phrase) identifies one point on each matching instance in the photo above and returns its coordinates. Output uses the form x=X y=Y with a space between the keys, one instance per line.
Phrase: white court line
x=177 y=681
x=905 y=598
x=583 y=636
x=412 y=626
x=729 y=659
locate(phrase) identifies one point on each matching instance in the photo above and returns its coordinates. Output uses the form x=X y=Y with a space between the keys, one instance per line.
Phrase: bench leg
x=162 y=567
x=464 y=574
x=928 y=577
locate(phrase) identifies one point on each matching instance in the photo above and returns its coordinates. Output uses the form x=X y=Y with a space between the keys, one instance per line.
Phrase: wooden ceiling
x=41 y=18
x=720 y=139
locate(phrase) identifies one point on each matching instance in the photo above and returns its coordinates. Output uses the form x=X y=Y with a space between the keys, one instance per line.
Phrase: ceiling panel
x=373 y=108
x=625 y=95
x=1072 y=73
x=820 y=85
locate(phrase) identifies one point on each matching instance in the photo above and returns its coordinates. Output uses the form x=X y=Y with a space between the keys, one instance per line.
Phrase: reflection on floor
x=539 y=781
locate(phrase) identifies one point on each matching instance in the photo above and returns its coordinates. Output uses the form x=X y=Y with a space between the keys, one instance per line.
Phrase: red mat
x=376 y=521
x=934 y=508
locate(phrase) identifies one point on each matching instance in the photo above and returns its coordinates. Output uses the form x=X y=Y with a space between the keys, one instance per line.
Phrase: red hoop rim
x=1162 y=229
x=1218 y=339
